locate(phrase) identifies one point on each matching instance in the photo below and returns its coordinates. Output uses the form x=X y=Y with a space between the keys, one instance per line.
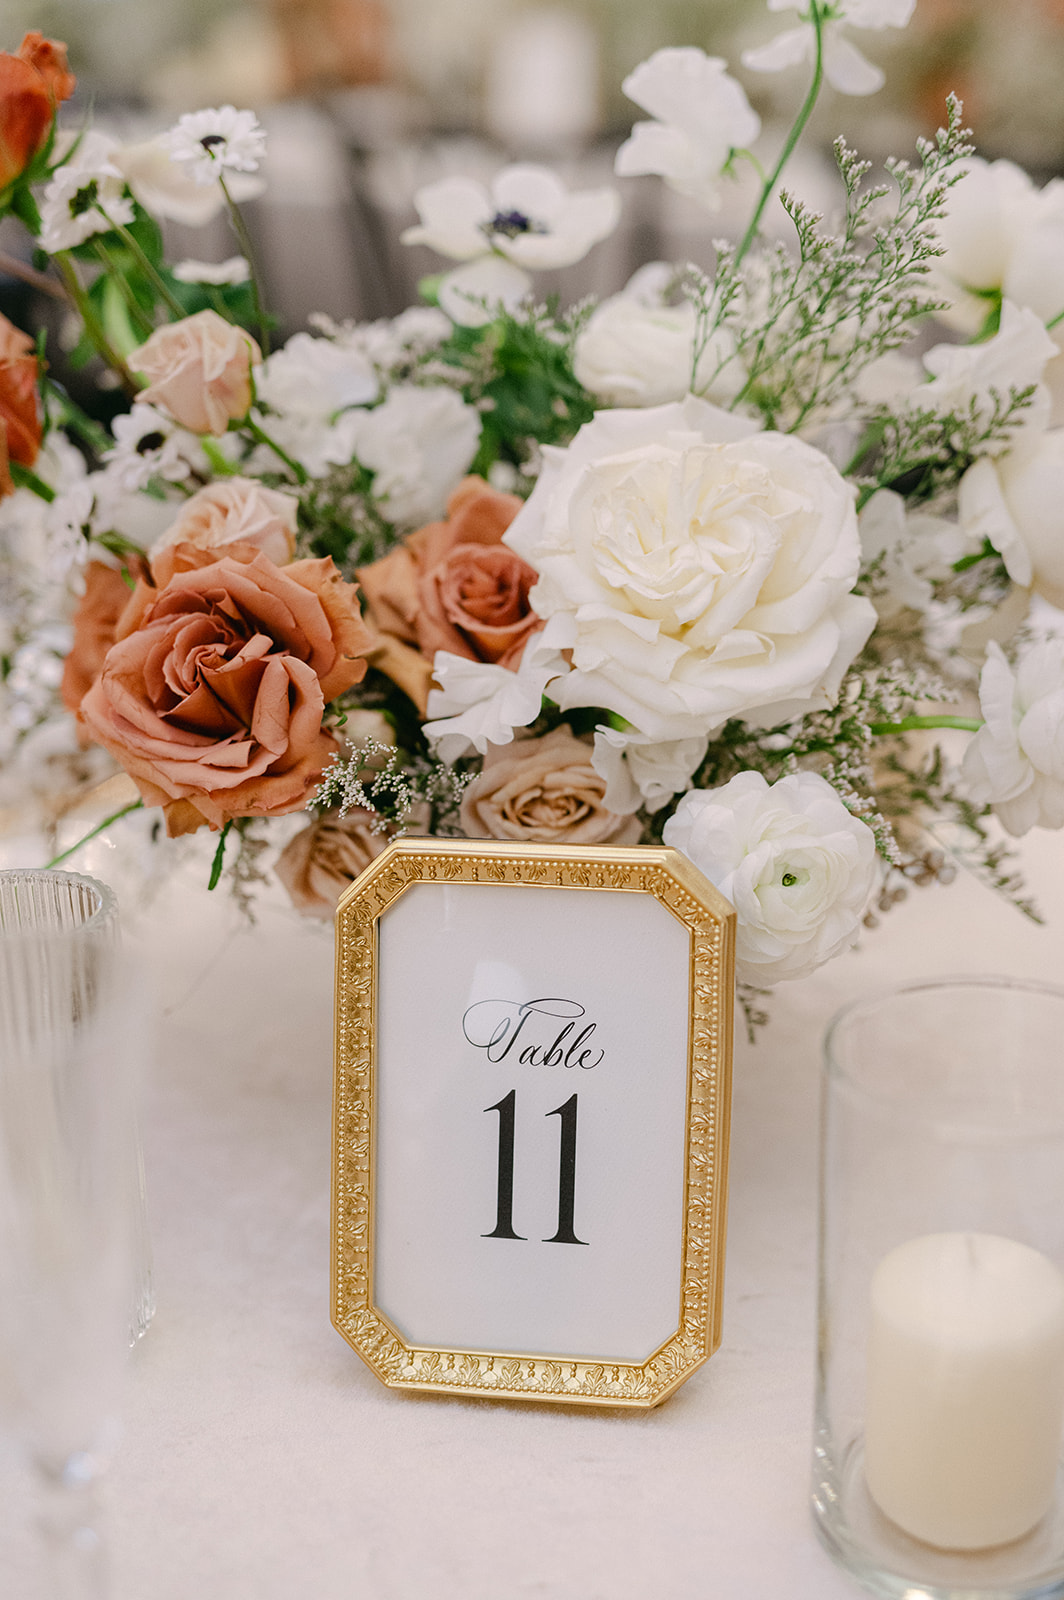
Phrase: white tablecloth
x=262 y=1461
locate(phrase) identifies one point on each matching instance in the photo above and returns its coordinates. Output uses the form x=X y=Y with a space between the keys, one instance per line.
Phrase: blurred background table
x=262 y=1461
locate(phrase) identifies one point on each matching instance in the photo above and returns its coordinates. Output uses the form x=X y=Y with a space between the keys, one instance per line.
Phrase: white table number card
x=533 y=1064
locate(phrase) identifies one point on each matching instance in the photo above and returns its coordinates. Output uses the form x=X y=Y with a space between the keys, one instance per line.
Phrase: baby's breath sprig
x=406 y=793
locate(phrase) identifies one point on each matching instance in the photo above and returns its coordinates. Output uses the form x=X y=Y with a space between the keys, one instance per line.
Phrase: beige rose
x=319 y=863
x=236 y=511
x=543 y=791
x=213 y=693
x=199 y=371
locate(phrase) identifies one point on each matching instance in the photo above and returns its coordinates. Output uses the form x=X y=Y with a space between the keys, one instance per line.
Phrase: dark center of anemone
x=210 y=140
x=149 y=442
x=788 y=880
x=512 y=223
x=85 y=199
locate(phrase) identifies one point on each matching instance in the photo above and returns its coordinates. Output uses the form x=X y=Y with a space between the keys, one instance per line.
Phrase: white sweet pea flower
x=1015 y=502
x=527 y=215
x=637 y=350
x=796 y=865
x=911 y=549
x=640 y=772
x=163 y=186
x=86 y=195
x=237 y=269
x=480 y=703
x=1016 y=760
x=211 y=144
x=1014 y=358
x=701 y=117
x=845 y=68
x=698 y=569
x=419 y=443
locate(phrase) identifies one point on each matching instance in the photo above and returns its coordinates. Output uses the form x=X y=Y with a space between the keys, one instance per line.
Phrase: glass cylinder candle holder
x=940 y=1372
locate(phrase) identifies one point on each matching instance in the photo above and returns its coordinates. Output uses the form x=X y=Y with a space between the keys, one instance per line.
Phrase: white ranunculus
x=636 y=350
x=1016 y=760
x=701 y=116
x=163 y=186
x=845 y=68
x=419 y=443
x=698 y=569
x=480 y=703
x=640 y=772
x=973 y=377
x=527 y=215
x=1015 y=501
x=911 y=549
x=799 y=869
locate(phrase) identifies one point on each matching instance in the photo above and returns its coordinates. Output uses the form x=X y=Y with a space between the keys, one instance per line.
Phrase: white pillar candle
x=965 y=1388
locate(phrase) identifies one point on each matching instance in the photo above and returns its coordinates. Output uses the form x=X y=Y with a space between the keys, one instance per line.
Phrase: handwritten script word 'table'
x=496 y=1026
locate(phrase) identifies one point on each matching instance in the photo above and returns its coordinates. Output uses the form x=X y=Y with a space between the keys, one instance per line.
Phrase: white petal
x=472 y=295
x=453 y=215
x=846 y=69
x=787 y=49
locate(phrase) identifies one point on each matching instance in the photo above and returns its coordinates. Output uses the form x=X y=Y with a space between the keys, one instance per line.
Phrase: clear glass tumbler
x=72 y=1230
x=940 y=1372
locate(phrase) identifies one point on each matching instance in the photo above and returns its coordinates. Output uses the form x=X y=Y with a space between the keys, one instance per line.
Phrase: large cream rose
x=698 y=569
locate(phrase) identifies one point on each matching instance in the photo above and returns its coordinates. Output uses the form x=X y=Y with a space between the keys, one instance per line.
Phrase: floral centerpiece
x=707 y=562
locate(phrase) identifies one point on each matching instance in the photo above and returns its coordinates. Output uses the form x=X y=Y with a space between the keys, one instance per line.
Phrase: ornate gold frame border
x=672 y=880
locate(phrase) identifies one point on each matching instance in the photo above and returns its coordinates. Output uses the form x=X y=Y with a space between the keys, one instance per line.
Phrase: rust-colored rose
x=212 y=695
x=95 y=620
x=319 y=863
x=236 y=511
x=20 y=416
x=452 y=586
x=199 y=370
x=543 y=791
x=32 y=83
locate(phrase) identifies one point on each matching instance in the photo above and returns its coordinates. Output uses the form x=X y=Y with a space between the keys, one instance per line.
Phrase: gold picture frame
x=380 y=1065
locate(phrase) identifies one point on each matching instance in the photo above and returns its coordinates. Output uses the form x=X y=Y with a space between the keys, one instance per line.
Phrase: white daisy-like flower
x=701 y=117
x=527 y=215
x=163 y=186
x=845 y=68
x=210 y=143
x=236 y=270
x=148 y=444
x=87 y=195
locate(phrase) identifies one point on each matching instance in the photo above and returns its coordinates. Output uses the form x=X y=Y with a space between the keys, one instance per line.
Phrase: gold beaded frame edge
x=508 y=1375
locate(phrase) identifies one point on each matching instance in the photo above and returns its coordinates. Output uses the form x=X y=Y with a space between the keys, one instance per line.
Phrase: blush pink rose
x=326 y=858
x=199 y=370
x=452 y=585
x=543 y=791
x=212 y=695
x=236 y=511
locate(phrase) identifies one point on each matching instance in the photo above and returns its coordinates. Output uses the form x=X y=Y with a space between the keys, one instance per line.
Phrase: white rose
x=637 y=351
x=419 y=443
x=1016 y=760
x=702 y=570
x=796 y=865
x=1015 y=501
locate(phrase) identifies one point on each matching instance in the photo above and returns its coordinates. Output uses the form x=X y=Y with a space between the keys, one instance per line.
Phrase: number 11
x=504 y=1226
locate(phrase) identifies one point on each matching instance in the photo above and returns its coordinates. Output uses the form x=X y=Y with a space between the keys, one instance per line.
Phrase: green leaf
x=219 y=857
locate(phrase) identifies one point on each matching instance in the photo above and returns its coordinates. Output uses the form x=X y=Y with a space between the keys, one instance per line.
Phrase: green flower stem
x=23 y=478
x=244 y=240
x=134 y=805
x=915 y=724
x=147 y=266
x=87 y=430
x=133 y=306
x=93 y=325
x=263 y=437
x=221 y=465
x=1052 y=323
x=817 y=19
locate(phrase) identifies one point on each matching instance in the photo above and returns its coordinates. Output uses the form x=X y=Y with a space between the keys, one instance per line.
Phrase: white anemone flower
x=87 y=195
x=845 y=68
x=235 y=270
x=211 y=143
x=148 y=444
x=701 y=117
x=528 y=216
x=162 y=185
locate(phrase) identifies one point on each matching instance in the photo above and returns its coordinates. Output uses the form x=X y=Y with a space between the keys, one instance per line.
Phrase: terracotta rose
x=95 y=620
x=20 y=419
x=319 y=863
x=32 y=83
x=199 y=371
x=212 y=695
x=452 y=586
x=543 y=791
x=236 y=511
